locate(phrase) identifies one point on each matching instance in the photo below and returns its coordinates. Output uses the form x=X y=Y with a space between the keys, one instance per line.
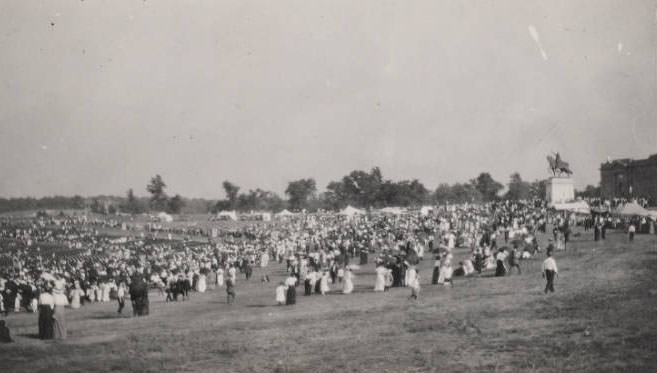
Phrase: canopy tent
x=580 y=207
x=425 y=210
x=164 y=217
x=392 y=210
x=351 y=211
x=227 y=215
x=652 y=214
x=600 y=209
x=285 y=212
x=632 y=209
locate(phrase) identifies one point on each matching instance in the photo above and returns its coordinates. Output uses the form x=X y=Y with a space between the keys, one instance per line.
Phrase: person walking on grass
x=120 y=296
x=280 y=293
x=514 y=260
x=414 y=283
x=550 y=272
x=630 y=231
x=230 y=291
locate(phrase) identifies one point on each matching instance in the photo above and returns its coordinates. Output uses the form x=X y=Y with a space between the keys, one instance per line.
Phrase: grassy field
x=603 y=317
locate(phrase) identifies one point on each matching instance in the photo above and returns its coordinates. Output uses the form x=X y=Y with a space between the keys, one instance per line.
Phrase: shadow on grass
x=29 y=335
x=260 y=305
x=110 y=316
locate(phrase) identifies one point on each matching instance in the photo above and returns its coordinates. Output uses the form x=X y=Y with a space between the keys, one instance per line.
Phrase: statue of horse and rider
x=558 y=166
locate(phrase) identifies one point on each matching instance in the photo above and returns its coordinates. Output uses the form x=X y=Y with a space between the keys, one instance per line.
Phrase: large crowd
x=317 y=250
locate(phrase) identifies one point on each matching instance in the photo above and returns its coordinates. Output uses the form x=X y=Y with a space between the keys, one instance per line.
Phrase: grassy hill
x=601 y=318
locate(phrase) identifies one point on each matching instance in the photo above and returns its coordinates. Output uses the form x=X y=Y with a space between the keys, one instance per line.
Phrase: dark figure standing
x=230 y=291
x=5 y=336
x=514 y=261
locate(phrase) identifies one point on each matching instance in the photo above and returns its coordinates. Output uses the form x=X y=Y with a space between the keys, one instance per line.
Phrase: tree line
x=359 y=188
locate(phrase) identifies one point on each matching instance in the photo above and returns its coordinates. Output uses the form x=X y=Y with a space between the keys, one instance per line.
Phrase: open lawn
x=603 y=317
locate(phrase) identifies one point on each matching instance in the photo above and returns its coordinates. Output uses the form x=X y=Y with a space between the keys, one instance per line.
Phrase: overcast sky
x=98 y=96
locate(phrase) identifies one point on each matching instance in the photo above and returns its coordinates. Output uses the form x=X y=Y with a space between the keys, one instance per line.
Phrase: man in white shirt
x=631 y=230
x=550 y=271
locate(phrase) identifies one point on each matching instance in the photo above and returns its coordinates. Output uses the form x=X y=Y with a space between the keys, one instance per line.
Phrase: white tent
x=351 y=211
x=632 y=209
x=392 y=210
x=285 y=213
x=580 y=207
x=227 y=215
x=425 y=210
x=652 y=214
x=164 y=217
x=266 y=216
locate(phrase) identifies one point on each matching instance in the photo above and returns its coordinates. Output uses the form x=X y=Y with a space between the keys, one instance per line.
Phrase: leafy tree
x=232 y=191
x=443 y=193
x=537 y=189
x=359 y=188
x=590 y=191
x=518 y=189
x=299 y=192
x=466 y=192
x=402 y=193
x=487 y=186
x=97 y=207
x=175 y=204
x=159 y=198
x=77 y=202
x=131 y=204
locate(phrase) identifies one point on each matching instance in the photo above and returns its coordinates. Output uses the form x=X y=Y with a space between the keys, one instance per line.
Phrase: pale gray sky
x=263 y=92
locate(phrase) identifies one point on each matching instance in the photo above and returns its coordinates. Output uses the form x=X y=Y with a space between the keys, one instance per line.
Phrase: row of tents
x=578 y=207
x=348 y=211
x=628 y=209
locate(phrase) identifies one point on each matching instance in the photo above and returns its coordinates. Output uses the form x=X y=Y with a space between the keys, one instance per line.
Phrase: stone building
x=629 y=178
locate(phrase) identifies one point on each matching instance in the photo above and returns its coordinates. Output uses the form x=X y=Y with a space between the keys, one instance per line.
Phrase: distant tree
x=131 y=205
x=299 y=192
x=487 y=186
x=232 y=191
x=111 y=210
x=466 y=192
x=590 y=191
x=359 y=188
x=175 y=204
x=158 y=201
x=443 y=193
x=402 y=193
x=97 y=207
x=537 y=189
x=77 y=202
x=518 y=189
x=329 y=200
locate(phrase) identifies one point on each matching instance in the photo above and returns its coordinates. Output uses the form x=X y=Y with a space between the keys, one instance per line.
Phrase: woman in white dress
x=220 y=277
x=348 y=281
x=201 y=284
x=75 y=295
x=59 y=315
x=280 y=293
x=380 y=282
x=264 y=259
x=99 y=292
x=411 y=276
x=446 y=271
x=324 y=283
x=91 y=292
x=106 y=292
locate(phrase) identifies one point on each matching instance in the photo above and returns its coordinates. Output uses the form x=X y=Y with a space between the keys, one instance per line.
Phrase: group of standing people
x=52 y=311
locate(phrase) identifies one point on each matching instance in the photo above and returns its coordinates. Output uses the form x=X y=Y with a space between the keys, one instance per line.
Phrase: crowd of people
x=318 y=251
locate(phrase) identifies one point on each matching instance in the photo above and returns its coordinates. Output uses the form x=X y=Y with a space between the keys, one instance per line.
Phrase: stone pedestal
x=559 y=190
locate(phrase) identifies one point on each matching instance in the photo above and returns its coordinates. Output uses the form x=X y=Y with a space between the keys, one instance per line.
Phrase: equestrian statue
x=558 y=166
